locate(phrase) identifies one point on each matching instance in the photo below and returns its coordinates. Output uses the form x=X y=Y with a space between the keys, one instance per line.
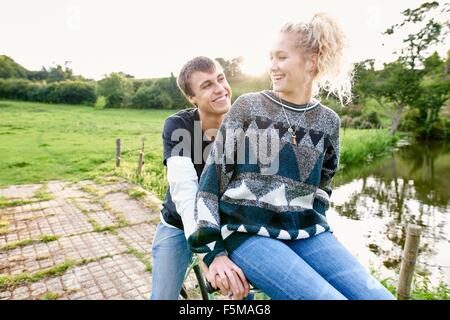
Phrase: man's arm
x=183 y=184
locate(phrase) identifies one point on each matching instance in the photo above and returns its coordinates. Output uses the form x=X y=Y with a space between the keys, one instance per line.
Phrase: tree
x=11 y=69
x=58 y=73
x=231 y=68
x=178 y=99
x=364 y=79
x=235 y=67
x=401 y=86
x=405 y=83
x=225 y=64
x=435 y=91
x=432 y=31
x=169 y=87
x=117 y=90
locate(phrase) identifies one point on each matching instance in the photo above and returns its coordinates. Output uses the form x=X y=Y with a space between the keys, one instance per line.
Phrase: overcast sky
x=153 y=38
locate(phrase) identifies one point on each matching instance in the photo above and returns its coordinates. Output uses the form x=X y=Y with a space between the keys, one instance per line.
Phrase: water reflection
x=374 y=202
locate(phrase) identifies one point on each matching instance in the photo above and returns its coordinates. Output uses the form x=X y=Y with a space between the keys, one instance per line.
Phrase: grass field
x=41 y=142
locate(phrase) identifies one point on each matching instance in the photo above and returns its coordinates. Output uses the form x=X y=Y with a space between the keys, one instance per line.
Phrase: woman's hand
x=227 y=276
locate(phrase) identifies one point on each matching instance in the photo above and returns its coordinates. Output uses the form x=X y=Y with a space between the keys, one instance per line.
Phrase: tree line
x=412 y=90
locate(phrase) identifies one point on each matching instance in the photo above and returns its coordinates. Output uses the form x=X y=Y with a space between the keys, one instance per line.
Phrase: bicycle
x=205 y=290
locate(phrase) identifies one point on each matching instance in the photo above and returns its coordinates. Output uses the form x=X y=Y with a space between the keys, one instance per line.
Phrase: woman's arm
x=329 y=169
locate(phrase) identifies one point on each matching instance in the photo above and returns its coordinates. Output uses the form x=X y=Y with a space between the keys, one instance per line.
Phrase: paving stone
x=22 y=191
x=85 y=246
x=114 y=274
x=21 y=293
x=64 y=190
x=139 y=237
x=132 y=210
x=5 y=295
x=67 y=222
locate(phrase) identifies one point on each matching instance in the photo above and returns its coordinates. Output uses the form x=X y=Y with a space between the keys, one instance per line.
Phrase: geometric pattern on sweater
x=260 y=186
x=275 y=197
x=240 y=193
x=281 y=234
x=241 y=197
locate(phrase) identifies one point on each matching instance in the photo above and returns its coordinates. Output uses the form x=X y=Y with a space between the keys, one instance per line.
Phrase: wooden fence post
x=408 y=261
x=117 y=152
x=141 y=159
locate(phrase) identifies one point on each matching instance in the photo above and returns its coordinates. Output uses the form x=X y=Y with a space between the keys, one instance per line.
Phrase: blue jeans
x=317 y=268
x=170 y=258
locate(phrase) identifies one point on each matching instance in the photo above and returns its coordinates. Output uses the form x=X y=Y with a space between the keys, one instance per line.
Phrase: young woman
x=269 y=217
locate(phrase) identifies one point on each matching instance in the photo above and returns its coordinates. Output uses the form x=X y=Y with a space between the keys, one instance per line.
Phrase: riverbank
x=359 y=145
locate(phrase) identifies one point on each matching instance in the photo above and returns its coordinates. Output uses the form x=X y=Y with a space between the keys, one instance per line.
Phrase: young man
x=186 y=138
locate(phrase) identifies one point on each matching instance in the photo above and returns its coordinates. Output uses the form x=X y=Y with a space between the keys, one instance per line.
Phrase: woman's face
x=288 y=67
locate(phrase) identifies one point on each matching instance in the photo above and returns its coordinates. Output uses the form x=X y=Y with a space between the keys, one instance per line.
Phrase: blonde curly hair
x=323 y=36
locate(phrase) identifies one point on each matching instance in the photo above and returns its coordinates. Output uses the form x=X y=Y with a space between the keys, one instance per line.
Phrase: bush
x=137 y=83
x=354 y=110
x=100 y=103
x=16 y=89
x=151 y=97
x=409 y=120
x=356 y=122
x=365 y=125
x=38 y=92
x=346 y=122
x=71 y=92
x=373 y=119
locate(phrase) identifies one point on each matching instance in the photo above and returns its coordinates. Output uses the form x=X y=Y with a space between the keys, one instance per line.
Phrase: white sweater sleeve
x=183 y=183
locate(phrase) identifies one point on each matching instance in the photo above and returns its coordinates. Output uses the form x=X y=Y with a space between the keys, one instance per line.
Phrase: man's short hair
x=203 y=64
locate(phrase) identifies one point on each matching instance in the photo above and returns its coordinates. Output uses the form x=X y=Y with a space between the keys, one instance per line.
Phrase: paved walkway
x=83 y=240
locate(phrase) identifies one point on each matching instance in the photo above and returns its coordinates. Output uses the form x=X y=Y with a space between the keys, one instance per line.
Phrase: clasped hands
x=225 y=275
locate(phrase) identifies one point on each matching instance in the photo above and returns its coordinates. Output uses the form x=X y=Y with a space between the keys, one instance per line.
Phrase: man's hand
x=227 y=276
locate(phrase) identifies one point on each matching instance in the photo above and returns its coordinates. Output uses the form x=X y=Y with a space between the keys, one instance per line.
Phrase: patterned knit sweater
x=282 y=195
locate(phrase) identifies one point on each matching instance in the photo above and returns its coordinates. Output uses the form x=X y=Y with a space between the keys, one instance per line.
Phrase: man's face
x=212 y=93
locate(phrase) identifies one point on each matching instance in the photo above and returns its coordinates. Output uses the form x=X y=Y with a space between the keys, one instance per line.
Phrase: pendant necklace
x=291 y=131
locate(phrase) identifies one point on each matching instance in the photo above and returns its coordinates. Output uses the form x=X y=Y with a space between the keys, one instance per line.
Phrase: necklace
x=291 y=131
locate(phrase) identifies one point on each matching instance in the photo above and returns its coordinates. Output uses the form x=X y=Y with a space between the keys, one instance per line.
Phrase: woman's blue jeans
x=317 y=268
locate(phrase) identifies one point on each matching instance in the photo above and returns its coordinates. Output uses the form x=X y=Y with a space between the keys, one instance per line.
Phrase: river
x=373 y=202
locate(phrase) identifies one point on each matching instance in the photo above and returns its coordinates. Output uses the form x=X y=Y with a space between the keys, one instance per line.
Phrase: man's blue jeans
x=170 y=258
x=317 y=268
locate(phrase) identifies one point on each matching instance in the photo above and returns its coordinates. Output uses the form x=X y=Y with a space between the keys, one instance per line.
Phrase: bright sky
x=151 y=38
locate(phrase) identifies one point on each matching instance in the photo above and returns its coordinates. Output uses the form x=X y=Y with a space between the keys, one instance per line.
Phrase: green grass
x=50 y=296
x=421 y=288
x=43 y=142
x=22 y=243
x=12 y=281
x=358 y=146
x=40 y=195
x=4 y=203
x=136 y=194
